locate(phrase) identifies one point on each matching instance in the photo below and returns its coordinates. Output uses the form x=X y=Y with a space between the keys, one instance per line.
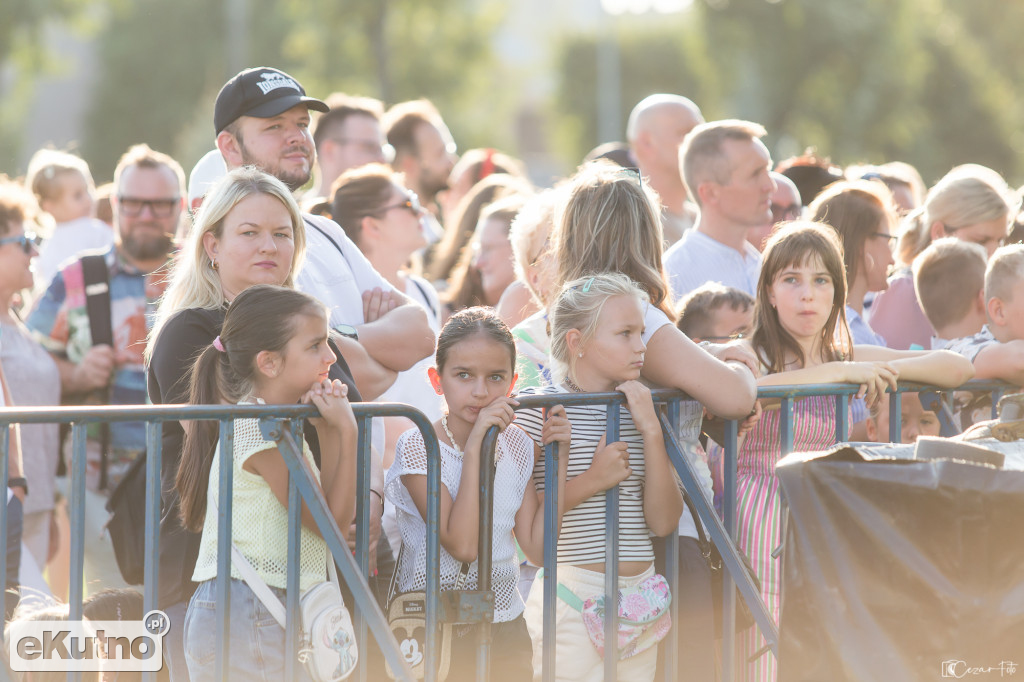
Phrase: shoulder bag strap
x=257 y=585
x=96 y=277
x=426 y=298
x=331 y=239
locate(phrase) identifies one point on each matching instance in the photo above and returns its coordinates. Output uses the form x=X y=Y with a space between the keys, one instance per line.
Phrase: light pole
x=609 y=63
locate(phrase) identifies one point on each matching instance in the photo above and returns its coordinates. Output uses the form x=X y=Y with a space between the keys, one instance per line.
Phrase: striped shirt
x=582 y=538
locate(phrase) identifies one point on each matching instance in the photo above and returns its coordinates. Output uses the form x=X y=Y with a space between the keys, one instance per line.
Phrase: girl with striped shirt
x=597 y=325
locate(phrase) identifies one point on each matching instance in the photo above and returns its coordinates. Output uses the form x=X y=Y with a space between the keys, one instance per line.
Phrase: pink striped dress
x=758 y=511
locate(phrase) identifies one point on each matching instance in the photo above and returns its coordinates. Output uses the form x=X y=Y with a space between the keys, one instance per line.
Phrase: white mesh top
x=514 y=464
x=582 y=538
x=259 y=522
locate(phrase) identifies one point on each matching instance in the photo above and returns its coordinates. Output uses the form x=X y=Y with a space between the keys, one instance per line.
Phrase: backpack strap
x=96 y=277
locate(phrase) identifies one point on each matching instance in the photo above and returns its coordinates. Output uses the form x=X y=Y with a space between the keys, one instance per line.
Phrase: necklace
x=455 y=446
x=572 y=385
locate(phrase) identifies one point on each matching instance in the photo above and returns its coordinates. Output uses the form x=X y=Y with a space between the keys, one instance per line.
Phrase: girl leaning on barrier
x=801 y=337
x=248 y=231
x=475 y=373
x=610 y=223
x=597 y=326
x=272 y=349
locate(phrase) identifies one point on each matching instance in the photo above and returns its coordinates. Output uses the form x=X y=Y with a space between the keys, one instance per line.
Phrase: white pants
x=576 y=658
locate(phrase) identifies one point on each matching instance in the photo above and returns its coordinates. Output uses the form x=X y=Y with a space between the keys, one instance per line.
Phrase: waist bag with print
x=407 y=619
x=328 y=649
x=644 y=617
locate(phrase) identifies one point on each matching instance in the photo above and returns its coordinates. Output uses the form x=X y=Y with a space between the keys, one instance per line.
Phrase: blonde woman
x=972 y=203
x=249 y=231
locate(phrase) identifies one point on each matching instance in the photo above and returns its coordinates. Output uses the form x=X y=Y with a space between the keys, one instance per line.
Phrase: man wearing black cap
x=262 y=119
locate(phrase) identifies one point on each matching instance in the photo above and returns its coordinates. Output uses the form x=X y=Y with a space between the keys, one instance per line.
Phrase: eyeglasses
x=725 y=339
x=783 y=212
x=411 y=203
x=161 y=208
x=27 y=240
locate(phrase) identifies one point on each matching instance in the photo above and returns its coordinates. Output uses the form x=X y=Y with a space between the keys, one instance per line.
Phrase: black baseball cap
x=262 y=92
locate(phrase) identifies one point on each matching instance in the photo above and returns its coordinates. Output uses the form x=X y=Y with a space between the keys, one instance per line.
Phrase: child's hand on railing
x=610 y=465
x=641 y=407
x=557 y=429
x=874 y=378
x=331 y=398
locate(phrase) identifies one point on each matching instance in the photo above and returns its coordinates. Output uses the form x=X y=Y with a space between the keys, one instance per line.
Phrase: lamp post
x=609 y=63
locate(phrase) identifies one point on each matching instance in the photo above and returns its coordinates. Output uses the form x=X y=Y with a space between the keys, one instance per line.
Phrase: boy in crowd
x=997 y=351
x=949 y=280
x=717 y=313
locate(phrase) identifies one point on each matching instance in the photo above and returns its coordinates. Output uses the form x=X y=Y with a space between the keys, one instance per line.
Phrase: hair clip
x=586 y=287
x=218 y=344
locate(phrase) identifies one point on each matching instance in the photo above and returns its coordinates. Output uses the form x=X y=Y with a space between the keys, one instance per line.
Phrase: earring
x=214 y=264
x=581 y=354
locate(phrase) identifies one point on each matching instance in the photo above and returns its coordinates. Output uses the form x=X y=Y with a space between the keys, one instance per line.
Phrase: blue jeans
x=174 y=642
x=256 y=640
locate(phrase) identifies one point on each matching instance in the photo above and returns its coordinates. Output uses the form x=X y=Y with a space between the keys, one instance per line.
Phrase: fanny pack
x=644 y=617
x=407 y=619
x=328 y=649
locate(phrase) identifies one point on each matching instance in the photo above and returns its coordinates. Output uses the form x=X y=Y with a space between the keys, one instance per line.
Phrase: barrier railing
x=283 y=425
x=722 y=531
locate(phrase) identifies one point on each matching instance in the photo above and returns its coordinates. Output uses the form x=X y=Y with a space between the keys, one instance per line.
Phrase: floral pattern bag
x=644 y=616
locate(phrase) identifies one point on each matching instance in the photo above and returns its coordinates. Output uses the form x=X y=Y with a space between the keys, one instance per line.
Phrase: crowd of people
x=334 y=251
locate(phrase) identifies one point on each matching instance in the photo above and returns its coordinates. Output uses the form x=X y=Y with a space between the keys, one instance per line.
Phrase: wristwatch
x=348 y=331
x=18 y=482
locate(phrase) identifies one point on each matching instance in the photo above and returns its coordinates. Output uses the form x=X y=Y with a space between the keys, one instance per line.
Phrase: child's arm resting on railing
x=337 y=432
x=460 y=518
x=874 y=377
x=937 y=367
x=663 y=502
x=529 y=527
x=726 y=389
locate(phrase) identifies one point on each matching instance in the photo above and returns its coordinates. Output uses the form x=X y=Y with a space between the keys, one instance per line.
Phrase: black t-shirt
x=185 y=335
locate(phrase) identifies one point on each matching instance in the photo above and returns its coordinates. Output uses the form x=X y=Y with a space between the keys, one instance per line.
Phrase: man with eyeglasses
x=786 y=206
x=148 y=205
x=348 y=136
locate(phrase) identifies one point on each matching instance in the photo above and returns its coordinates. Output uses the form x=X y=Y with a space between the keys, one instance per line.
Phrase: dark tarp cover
x=901 y=569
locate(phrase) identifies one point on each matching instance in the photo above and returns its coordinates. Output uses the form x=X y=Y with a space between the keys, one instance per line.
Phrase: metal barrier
x=283 y=424
x=722 y=531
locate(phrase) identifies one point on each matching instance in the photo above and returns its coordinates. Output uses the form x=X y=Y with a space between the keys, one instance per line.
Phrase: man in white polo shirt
x=727 y=171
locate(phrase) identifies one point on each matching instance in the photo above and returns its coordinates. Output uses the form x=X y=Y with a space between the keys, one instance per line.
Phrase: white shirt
x=691 y=415
x=67 y=241
x=697 y=259
x=336 y=271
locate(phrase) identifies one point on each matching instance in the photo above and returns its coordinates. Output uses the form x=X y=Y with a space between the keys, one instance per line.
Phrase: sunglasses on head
x=27 y=240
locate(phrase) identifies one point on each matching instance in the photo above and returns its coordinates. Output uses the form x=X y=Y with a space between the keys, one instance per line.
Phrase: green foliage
x=172 y=56
x=924 y=81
